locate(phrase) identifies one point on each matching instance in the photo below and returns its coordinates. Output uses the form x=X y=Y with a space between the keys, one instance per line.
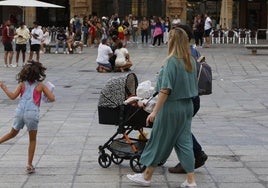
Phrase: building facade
x=250 y=14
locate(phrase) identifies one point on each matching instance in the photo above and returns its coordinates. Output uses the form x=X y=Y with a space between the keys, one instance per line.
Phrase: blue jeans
x=60 y=43
x=196 y=147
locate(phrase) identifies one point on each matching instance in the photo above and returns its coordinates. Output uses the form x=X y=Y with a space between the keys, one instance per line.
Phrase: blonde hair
x=178 y=46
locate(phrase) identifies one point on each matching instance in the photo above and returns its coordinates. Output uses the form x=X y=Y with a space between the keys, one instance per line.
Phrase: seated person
x=122 y=61
x=61 y=40
x=78 y=41
x=104 y=53
x=70 y=39
x=45 y=40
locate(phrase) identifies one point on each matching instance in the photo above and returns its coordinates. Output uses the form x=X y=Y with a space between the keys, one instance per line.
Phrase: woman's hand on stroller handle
x=150 y=119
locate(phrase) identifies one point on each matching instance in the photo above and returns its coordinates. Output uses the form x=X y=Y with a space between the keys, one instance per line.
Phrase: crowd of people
x=22 y=35
x=202 y=27
x=89 y=31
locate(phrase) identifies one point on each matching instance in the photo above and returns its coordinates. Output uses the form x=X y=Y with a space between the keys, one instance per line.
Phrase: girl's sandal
x=30 y=170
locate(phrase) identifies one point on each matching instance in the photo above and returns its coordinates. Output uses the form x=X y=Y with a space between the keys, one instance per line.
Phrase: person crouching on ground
x=122 y=61
x=172 y=114
x=104 y=53
x=30 y=89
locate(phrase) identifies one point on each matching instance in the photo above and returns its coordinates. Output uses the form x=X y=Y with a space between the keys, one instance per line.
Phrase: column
x=226 y=17
x=80 y=7
x=29 y=15
x=177 y=7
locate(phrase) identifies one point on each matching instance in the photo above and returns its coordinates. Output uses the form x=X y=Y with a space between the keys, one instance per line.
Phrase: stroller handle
x=156 y=93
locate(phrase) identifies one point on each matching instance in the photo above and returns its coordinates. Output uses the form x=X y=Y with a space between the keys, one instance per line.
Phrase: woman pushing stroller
x=172 y=114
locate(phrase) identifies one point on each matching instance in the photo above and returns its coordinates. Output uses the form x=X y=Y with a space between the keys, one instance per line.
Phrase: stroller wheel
x=116 y=160
x=135 y=164
x=105 y=160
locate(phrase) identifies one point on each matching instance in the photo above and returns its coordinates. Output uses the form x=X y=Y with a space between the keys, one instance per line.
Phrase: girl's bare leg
x=9 y=135
x=32 y=145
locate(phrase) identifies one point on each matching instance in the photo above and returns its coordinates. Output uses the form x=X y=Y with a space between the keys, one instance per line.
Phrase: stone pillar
x=80 y=7
x=177 y=7
x=226 y=18
x=29 y=16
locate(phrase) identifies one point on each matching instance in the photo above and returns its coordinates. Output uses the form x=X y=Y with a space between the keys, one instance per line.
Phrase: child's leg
x=9 y=135
x=32 y=145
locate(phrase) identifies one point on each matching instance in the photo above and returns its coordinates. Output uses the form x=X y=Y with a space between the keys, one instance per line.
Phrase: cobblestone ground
x=232 y=124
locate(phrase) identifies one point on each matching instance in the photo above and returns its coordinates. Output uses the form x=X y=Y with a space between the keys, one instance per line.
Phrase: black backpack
x=204 y=76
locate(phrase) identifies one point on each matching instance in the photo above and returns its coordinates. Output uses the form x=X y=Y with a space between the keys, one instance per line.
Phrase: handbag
x=204 y=77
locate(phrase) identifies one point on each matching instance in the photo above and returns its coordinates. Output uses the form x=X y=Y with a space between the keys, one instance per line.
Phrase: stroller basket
x=122 y=149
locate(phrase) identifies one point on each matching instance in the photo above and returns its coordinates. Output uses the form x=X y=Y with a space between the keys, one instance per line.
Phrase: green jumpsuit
x=172 y=124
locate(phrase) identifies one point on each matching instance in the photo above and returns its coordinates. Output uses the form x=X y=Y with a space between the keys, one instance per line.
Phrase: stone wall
x=176 y=7
x=80 y=7
x=226 y=17
x=29 y=16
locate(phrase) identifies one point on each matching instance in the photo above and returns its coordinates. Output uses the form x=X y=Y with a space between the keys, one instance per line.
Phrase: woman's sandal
x=30 y=170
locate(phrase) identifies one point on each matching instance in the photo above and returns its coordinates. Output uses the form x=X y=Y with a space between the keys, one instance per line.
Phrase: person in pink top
x=30 y=89
x=158 y=33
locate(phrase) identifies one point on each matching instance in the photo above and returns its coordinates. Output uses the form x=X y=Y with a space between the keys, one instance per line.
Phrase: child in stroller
x=128 y=117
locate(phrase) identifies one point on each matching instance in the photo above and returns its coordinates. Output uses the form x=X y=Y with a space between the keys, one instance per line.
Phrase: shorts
x=29 y=118
x=8 y=47
x=35 y=47
x=106 y=65
x=21 y=47
x=207 y=32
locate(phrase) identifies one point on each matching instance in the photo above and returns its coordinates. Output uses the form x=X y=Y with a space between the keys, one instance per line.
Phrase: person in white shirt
x=207 y=28
x=36 y=38
x=104 y=53
x=22 y=36
x=176 y=21
x=122 y=61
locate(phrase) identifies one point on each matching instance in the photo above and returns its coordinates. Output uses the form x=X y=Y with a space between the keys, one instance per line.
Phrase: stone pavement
x=232 y=124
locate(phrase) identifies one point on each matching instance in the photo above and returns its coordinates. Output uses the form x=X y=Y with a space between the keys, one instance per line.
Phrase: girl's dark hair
x=31 y=72
x=119 y=45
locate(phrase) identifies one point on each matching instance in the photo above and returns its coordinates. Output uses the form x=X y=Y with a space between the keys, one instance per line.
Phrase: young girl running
x=30 y=90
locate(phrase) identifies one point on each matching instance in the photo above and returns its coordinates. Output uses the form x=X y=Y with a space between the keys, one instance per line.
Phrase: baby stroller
x=128 y=117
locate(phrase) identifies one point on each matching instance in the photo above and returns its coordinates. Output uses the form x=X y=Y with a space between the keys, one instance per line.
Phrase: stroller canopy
x=117 y=90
